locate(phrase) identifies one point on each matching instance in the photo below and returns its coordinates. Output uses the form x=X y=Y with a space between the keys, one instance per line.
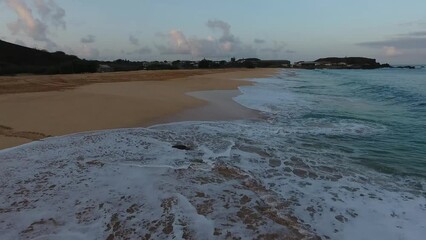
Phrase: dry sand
x=35 y=107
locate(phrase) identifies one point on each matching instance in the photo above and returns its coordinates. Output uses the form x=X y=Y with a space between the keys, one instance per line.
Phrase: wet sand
x=35 y=107
x=220 y=107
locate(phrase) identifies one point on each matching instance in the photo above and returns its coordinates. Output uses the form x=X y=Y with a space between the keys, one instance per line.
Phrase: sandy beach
x=35 y=107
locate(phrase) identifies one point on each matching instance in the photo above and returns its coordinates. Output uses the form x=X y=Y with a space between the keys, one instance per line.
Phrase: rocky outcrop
x=406 y=67
x=349 y=63
x=341 y=63
x=181 y=147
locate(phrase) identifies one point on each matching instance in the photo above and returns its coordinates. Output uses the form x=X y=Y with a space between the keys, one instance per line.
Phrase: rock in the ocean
x=274 y=163
x=181 y=147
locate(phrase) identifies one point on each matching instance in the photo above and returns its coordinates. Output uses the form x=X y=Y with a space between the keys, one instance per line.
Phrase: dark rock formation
x=406 y=67
x=181 y=147
x=341 y=63
x=348 y=63
x=348 y=60
x=274 y=163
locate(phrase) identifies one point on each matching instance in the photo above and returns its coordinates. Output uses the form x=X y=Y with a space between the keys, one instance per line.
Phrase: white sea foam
x=265 y=98
x=73 y=186
x=247 y=179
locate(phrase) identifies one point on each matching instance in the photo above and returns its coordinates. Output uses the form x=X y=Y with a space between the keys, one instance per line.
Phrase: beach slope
x=35 y=107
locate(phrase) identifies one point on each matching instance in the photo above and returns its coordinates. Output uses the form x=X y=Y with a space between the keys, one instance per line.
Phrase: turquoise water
x=392 y=101
x=339 y=154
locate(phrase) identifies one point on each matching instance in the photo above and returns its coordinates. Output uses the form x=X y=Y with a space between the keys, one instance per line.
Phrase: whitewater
x=338 y=154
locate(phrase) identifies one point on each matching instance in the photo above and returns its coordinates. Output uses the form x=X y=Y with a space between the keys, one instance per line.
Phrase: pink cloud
x=390 y=51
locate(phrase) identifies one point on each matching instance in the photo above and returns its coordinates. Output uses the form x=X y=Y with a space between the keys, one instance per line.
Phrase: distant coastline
x=16 y=59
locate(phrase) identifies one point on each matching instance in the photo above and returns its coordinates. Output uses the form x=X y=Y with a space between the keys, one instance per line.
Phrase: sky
x=392 y=31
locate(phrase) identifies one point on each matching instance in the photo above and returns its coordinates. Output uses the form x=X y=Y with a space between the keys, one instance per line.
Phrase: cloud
x=133 y=40
x=50 y=11
x=391 y=51
x=227 y=36
x=409 y=47
x=161 y=35
x=141 y=51
x=400 y=42
x=26 y=22
x=82 y=51
x=88 y=39
x=33 y=27
x=411 y=40
x=421 y=23
x=88 y=52
x=414 y=34
x=277 y=47
x=259 y=41
x=276 y=50
x=225 y=46
x=178 y=43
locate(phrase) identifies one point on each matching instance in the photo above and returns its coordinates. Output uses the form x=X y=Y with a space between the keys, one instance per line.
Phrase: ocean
x=338 y=154
x=377 y=117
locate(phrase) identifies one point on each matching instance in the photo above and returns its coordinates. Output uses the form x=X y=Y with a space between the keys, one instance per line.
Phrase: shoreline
x=139 y=102
x=218 y=105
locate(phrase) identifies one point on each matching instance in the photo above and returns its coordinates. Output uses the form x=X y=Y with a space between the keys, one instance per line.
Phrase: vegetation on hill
x=16 y=59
